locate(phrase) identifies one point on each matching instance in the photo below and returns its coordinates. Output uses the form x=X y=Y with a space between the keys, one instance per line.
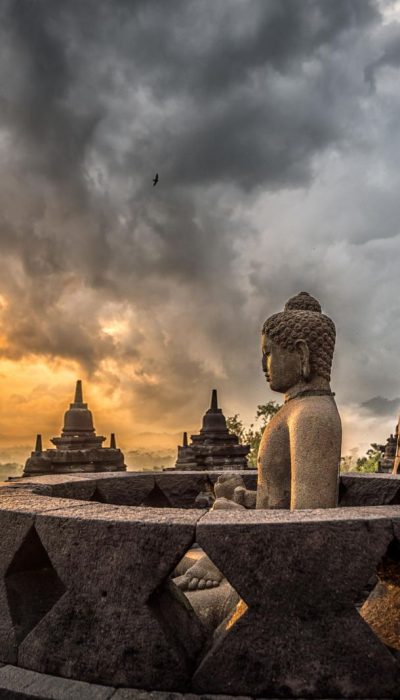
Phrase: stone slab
x=132 y=694
x=300 y=574
x=130 y=491
x=32 y=503
x=369 y=490
x=117 y=623
x=22 y=683
x=15 y=524
x=81 y=489
x=181 y=489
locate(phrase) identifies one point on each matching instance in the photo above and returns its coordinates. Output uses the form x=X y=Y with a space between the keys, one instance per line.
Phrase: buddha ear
x=304 y=352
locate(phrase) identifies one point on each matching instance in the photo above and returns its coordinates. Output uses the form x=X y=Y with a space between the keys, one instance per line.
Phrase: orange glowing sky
x=278 y=172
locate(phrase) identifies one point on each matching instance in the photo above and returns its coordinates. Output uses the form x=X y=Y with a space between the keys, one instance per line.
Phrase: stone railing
x=86 y=593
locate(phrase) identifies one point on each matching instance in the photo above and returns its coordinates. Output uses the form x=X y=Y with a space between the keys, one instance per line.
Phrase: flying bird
x=155 y=179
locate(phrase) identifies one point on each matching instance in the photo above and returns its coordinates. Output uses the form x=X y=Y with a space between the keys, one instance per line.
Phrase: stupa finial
x=38 y=446
x=185 y=440
x=214 y=401
x=78 y=392
x=113 y=442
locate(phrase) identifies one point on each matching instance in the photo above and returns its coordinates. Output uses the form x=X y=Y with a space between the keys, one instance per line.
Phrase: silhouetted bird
x=155 y=179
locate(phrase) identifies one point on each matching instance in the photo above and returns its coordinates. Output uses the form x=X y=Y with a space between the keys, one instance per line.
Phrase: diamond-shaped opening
x=210 y=602
x=156 y=498
x=381 y=606
x=32 y=585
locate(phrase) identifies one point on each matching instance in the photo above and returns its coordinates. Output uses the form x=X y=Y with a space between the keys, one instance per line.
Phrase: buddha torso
x=299 y=455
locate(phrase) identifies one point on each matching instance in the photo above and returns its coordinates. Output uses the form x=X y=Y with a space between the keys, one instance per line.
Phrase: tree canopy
x=252 y=435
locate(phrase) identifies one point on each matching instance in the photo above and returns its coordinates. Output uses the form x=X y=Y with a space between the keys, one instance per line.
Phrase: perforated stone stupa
x=215 y=447
x=78 y=449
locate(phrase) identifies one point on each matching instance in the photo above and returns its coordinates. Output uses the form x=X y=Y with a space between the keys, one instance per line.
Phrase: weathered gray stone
x=299 y=454
x=78 y=490
x=381 y=610
x=135 y=694
x=128 y=488
x=313 y=566
x=132 y=694
x=29 y=685
x=14 y=528
x=369 y=489
x=18 y=509
x=25 y=501
x=181 y=491
x=130 y=491
x=75 y=486
x=117 y=623
x=300 y=574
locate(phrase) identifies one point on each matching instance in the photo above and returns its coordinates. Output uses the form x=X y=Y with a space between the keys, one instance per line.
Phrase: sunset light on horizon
x=278 y=172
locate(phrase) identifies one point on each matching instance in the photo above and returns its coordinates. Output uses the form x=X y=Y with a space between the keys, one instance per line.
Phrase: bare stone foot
x=203 y=574
x=225 y=504
x=230 y=489
x=226 y=484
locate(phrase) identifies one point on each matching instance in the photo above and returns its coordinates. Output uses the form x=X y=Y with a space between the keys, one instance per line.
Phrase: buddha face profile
x=284 y=368
x=297 y=345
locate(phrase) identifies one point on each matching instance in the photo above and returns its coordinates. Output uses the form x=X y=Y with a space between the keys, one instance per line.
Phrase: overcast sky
x=275 y=129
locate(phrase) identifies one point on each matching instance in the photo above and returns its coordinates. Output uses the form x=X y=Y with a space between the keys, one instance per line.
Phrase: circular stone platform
x=86 y=593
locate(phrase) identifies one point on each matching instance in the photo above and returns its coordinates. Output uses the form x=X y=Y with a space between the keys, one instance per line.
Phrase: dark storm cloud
x=225 y=99
x=55 y=135
x=381 y=406
x=389 y=57
x=220 y=60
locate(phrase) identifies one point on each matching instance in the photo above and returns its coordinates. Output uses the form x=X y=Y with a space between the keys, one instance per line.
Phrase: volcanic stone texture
x=18 y=509
x=300 y=574
x=20 y=684
x=369 y=490
x=157 y=489
x=118 y=621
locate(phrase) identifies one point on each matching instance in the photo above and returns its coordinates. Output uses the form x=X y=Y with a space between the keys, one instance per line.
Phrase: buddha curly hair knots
x=302 y=319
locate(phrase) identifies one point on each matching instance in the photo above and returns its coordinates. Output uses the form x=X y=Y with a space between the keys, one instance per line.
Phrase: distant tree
x=252 y=435
x=368 y=463
x=235 y=425
x=347 y=463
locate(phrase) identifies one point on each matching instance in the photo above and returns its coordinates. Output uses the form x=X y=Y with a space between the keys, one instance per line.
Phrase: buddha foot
x=230 y=489
x=203 y=574
x=225 y=504
x=226 y=484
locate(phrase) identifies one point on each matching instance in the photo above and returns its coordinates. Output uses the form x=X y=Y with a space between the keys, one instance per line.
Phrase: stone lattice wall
x=85 y=588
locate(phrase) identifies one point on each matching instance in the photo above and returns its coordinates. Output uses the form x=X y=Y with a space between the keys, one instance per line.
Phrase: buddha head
x=297 y=344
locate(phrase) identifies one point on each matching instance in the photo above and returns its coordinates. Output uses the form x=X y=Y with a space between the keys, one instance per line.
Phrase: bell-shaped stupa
x=215 y=447
x=78 y=449
x=78 y=431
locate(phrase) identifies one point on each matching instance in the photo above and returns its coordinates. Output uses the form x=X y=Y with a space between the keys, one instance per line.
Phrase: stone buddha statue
x=299 y=454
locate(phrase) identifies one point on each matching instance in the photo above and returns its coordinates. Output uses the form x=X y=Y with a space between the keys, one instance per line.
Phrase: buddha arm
x=315 y=442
